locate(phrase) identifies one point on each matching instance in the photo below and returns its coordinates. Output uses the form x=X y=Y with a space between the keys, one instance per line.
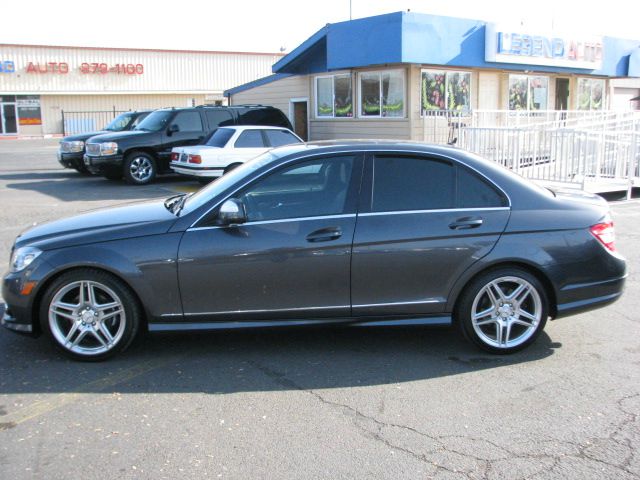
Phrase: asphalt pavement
x=312 y=403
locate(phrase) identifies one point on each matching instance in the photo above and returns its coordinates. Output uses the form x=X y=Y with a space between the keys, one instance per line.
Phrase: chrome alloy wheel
x=87 y=318
x=141 y=169
x=506 y=312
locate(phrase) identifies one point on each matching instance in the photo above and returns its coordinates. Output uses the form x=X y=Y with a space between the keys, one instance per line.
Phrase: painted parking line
x=43 y=407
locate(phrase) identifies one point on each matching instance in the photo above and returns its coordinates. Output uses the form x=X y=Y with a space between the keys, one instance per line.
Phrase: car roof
x=254 y=127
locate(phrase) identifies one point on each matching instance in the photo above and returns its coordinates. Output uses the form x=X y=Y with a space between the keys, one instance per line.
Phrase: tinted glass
x=218 y=118
x=220 y=137
x=139 y=119
x=119 y=123
x=264 y=116
x=188 y=121
x=307 y=189
x=250 y=139
x=410 y=183
x=155 y=121
x=278 y=138
x=474 y=192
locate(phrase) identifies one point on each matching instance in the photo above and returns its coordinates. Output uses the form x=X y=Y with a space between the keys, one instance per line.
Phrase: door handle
x=325 y=235
x=466 y=223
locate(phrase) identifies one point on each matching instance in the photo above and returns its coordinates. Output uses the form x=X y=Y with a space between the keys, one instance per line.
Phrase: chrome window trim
x=382 y=149
x=280 y=220
x=443 y=210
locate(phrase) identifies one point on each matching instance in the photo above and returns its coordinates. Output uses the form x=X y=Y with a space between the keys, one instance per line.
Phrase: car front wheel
x=139 y=168
x=89 y=314
x=503 y=310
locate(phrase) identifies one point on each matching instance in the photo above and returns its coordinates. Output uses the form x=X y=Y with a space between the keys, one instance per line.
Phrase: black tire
x=87 y=319
x=139 y=168
x=112 y=175
x=485 y=316
x=230 y=167
x=204 y=180
x=82 y=170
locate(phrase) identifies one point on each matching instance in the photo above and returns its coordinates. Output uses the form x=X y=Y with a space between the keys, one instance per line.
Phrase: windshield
x=220 y=137
x=218 y=186
x=119 y=123
x=155 y=121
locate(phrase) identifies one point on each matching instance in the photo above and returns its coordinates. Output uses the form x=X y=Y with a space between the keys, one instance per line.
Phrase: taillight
x=175 y=156
x=195 y=159
x=606 y=234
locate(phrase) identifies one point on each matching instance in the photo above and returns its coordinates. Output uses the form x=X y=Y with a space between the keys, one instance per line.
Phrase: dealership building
x=39 y=83
x=380 y=77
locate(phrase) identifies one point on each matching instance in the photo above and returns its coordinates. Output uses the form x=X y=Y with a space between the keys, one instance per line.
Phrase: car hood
x=117 y=136
x=83 y=136
x=134 y=220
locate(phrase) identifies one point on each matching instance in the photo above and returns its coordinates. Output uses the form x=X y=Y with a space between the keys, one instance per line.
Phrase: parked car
x=72 y=147
x=349 y=233
x=227 y=148
x=144 y=152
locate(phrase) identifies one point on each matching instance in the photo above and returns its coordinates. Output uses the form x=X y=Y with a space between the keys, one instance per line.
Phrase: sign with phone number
x=62 y=68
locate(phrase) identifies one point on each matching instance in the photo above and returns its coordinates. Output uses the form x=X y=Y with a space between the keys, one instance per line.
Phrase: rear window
x=220 y=137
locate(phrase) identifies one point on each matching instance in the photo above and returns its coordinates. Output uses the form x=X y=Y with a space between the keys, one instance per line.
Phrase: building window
x=445 y=90
x=590 y=94
x=382 y=94
x=334 y=97
x=528 y=92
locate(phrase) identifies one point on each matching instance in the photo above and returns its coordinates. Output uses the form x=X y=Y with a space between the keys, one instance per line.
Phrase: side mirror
x=232 y=212
x=174 y=128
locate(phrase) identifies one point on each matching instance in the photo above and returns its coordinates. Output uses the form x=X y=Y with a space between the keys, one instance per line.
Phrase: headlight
x=108 y=148
x=23 y=257
x=72 y=147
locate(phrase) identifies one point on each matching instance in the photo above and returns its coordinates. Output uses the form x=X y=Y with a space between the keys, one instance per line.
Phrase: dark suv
x=144 y=152
x=72 y=148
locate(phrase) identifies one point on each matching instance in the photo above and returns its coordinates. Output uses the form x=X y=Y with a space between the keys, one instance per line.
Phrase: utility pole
x=350 y=16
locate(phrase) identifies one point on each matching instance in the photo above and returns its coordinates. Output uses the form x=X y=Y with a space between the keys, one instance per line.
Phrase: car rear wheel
x=503 y=311
x=139 y=168
x=89 y=314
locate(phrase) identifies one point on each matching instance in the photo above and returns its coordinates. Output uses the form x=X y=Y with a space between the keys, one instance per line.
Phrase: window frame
x=446 y=90
x=333 y=96
x=380 y=73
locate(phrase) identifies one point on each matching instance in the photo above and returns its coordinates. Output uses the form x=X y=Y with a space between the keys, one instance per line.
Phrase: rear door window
x=188 y=121
x=412 y=183
x=250 y=139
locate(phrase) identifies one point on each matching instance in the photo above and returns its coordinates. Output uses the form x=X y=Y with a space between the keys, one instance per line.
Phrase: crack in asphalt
x=485 y=466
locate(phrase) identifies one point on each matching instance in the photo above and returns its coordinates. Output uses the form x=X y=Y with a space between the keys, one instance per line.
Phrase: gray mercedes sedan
x=341 y=233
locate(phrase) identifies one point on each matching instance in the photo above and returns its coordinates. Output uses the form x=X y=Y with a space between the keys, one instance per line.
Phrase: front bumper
x=102 y=164
x=71 y=160
x=13 y=323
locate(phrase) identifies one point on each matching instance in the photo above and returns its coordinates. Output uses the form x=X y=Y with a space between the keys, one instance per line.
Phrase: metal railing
x=572 y=147
x=83 y=122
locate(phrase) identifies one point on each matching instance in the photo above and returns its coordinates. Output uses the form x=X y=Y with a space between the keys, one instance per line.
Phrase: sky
x=278 y=25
